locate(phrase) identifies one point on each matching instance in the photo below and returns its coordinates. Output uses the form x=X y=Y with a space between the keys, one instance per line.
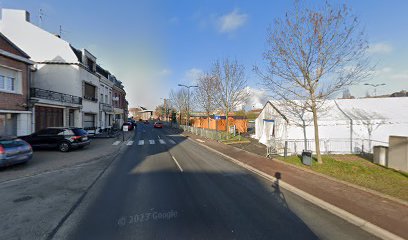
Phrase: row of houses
x=47 y=82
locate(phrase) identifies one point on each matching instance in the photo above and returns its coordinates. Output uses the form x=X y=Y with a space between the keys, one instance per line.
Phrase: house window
x=89 y=121
x=90 y=92
x=10 y=80
x=7 y=83
x=101 y=98
x=91 y=65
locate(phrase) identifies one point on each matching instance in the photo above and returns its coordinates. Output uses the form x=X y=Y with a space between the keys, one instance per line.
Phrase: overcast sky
x=153 y=45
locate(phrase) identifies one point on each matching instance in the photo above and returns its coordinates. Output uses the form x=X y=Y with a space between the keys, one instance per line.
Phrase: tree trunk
x=208 y=119
x=316 y=132
x=304 y=133
x=226 y=123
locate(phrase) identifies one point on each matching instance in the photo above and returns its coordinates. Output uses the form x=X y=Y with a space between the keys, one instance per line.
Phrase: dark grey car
x=14 y=151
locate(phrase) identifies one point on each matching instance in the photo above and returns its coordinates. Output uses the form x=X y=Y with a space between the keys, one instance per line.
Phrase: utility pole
x=188 y=100
x=375 y=86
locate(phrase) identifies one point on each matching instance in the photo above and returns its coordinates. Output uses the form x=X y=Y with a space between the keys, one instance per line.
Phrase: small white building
x=345 y=125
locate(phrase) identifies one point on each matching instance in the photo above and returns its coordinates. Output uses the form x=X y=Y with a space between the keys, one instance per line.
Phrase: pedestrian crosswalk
x=148 y=142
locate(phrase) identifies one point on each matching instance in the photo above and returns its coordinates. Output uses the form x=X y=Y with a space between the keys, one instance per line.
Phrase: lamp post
x=188 y=100
x=375 y=86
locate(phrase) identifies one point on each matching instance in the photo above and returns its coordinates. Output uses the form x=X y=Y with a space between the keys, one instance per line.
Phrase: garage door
x=48 y=117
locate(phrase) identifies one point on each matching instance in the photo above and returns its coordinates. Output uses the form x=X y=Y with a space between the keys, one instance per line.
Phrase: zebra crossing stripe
x=141 y=142
x=151 y=142
x=129 y=143
x=172 y=141
x=162 y=141
x=116 y=143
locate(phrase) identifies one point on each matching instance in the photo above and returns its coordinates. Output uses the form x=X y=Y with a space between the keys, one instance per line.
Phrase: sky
x=152 y=45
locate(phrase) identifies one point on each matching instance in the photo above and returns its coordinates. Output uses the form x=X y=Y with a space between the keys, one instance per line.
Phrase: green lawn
x=359 y=171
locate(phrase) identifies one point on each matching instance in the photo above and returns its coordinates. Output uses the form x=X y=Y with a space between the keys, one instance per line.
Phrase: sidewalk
x=385 y=213
x=51 y=159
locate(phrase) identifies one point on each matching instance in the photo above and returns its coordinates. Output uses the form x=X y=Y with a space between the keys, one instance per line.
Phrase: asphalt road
x=176 y=189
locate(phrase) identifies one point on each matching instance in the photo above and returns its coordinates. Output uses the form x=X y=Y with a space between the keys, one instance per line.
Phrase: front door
x=71 y=121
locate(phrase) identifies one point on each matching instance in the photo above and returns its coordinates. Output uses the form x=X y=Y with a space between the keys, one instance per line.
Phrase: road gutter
x=349 y=217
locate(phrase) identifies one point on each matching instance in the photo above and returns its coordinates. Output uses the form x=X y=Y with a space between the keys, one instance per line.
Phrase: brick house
x=15 y=74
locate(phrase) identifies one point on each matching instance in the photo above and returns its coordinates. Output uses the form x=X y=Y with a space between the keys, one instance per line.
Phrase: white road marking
x=151 y=142
x=172 y=141
x=116 y=143
x=162 y=141
x=158 y=137
x=178 y=165
x=141 y=142
x=129 y=143
x=200 y=140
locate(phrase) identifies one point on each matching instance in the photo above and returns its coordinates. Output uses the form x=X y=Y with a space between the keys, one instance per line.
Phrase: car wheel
x=64 y=147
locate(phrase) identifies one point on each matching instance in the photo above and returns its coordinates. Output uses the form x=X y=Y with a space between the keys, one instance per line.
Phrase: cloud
x=231 y=21
x=191 y=75
x=380 y=48
x=164 y=72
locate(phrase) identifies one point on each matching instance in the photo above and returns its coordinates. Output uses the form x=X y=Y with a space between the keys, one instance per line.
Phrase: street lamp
x=375 y=86
x=188 y=100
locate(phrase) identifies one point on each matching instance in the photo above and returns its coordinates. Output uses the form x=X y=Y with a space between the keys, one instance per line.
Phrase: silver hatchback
x=14 y=151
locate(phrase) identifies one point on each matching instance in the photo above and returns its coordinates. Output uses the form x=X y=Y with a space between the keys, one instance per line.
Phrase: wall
x=13 y=101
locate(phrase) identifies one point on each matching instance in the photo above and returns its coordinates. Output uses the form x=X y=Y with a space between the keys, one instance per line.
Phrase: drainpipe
x=351 y=126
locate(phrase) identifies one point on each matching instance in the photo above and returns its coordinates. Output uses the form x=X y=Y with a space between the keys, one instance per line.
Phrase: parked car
x=158 y=125
x=63 y=138
x=14 y=151
x=129 y=124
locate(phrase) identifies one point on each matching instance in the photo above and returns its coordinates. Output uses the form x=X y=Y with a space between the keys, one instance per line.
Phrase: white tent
x=345 y=125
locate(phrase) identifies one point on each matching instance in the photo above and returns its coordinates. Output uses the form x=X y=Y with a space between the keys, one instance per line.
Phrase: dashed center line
x=178 y=165
x=116 y=143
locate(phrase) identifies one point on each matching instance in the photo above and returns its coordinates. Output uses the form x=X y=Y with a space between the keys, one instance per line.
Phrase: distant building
x=15 y=74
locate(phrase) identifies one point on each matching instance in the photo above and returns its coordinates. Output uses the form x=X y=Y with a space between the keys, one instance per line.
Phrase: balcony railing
x=106 y=107
x=55 y=96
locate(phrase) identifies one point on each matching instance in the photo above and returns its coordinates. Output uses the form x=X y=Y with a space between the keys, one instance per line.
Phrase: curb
x=379 y=194
x=349 y=217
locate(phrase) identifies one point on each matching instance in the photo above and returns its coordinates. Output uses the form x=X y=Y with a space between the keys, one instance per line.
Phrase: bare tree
x=231 y=85
x=370 y=120
x=313 y=54
x=179 y=100
x=297 y=114
x=205 y=94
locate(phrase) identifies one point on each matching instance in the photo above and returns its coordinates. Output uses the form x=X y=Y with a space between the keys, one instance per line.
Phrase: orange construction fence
x=240 y=124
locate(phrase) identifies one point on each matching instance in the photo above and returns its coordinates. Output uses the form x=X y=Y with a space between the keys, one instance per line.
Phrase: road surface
x=165 y=186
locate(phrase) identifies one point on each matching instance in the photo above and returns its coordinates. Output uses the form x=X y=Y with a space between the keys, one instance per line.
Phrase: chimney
x=15 y=15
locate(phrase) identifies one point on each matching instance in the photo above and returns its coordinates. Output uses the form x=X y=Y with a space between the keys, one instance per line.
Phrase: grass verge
x=359 y=171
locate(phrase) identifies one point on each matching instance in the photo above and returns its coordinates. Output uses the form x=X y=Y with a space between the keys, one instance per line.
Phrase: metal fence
x=209 y=133
x=327 y=146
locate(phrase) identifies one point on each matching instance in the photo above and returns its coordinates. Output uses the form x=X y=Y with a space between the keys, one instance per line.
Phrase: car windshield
x=79 y=131
x=11 y=143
